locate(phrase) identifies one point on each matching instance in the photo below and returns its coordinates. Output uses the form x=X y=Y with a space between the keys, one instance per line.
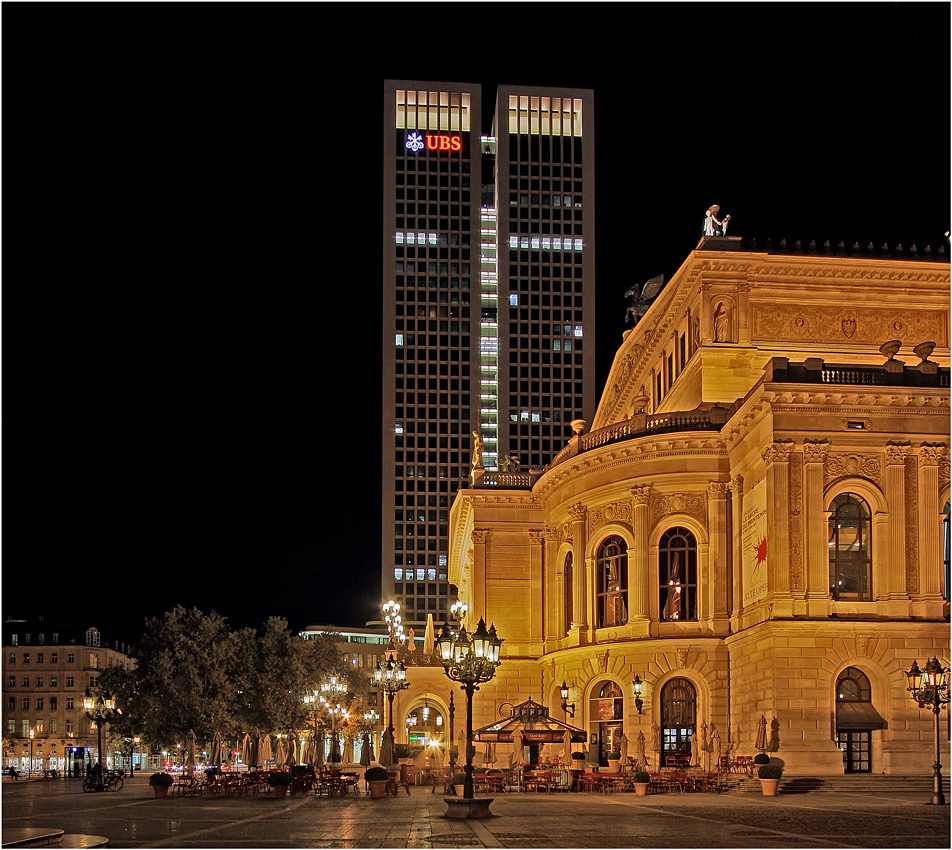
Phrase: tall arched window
x=677 y=574
x=567 y=591
x=678 y=719
x=850 y=556
x=611 y=571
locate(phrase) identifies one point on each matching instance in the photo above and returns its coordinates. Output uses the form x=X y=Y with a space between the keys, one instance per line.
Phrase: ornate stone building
x=756 y=524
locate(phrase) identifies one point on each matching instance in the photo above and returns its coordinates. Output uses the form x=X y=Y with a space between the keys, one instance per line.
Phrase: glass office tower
x=488 y=316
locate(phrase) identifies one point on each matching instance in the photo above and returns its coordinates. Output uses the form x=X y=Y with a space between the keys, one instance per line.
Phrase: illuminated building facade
x=488 y=325
x=756 y=524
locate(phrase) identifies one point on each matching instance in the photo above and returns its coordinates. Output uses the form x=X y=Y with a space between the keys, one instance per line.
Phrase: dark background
x=192 y=251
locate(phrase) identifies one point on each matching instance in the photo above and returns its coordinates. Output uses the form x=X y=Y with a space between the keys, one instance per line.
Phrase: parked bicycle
x=112 y=781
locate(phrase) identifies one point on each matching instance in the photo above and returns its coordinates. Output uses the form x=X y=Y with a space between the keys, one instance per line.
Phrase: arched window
x=677 y=574
x=567 y=591
x=678 y=719
x=611 y=572
x=852 y=685
x=849 y=545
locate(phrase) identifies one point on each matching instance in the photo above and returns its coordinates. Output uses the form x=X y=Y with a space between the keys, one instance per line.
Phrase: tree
x=185 y=678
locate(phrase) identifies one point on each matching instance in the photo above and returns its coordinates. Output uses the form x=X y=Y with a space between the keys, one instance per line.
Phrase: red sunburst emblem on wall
x=761 y=550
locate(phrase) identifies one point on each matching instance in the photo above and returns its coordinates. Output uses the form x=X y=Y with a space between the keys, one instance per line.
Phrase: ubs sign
x=433 y=142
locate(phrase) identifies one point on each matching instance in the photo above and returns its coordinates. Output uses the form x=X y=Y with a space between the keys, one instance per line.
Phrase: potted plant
x=641 y=780
x=376 y=778
x=459 y=780
x=769 y=775
x=160 y=782
x=761 y=758
x=280 y=780
x=578 y=761
x=614 y=761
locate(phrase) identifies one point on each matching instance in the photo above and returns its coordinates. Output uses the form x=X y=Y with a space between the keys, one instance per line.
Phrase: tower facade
x=488 y=318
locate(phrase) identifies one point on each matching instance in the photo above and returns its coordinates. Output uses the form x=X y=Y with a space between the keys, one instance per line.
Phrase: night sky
x=191 y=395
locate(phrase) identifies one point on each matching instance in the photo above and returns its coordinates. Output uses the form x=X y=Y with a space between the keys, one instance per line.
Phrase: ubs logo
x=433 y=142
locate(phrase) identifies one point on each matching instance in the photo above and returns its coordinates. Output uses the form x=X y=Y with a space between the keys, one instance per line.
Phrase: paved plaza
x=134 y=818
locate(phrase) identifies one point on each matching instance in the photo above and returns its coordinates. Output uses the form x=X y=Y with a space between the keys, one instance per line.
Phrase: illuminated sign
x=433 y=142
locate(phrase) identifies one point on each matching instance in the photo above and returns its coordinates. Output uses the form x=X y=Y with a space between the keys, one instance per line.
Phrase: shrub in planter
x=642 y=776
x=160 y=782
x=614 y=755
x=459 y=780
x=770 y=771
x=279 y=777
x=761 y=758
x=641 y=780
x=376 y=774
x=578 y=756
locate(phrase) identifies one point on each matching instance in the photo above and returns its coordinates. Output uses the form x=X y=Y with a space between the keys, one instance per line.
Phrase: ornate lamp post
x=332 y=690
x=568 y=708
x=30 y=768
x=930 y=689
x=389 y=676
x=100 y=710
x=636 y=684
x=469 y=660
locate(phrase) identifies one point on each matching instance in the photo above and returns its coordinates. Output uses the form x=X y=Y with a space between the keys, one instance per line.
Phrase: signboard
x=416 y=141
x=754 y=543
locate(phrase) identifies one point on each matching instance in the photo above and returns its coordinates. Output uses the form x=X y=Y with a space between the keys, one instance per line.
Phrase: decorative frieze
x=617 y=512
x=864 y=326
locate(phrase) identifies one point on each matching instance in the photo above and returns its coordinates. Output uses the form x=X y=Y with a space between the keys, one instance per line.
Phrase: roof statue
x=510 y=463
x=640 y=301
x=712 y=225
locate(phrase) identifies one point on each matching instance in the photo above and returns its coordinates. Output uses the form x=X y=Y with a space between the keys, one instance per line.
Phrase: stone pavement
x=134 y=818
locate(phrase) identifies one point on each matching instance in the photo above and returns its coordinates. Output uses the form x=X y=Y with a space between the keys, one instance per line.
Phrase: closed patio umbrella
x=217 y=754
x=623 y=747
x=716 y=750
x=489 y=756
x=264 y=750
x=386 y=749
x=761 y=743
x=640 y=755
x=694 y=750
x=348 y=750
x=190 y=752
x=365 y=750
x=291 y=757
x=429 y=636
x=567 y=745
x=279 y=753
x=518 y=759
x=246 y=749
x=319 y=743
x=703 y=748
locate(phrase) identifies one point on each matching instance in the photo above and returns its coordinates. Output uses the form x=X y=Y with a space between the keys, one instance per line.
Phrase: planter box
x=641 y=789
x=378 y=788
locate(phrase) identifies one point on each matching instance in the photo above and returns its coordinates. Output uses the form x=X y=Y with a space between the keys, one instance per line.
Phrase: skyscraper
x=488 y=317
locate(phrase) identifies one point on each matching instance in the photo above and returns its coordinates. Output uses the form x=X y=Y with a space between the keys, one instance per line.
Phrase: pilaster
x=776 y=457
x=815 y=546
x=579 y=515
x=551 y=585
x=893 y=576
x=737 y=514
x=480 y=538
x=536 y=583
x=639 y=569
x=717 y=557
x=931 y=458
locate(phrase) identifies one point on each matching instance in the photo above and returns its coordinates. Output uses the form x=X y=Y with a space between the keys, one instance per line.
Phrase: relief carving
x=815 y=452
x=616 y=512
x=896 y=453
x=480 y=535
x=871 y=325
x=578 y=513
x=778 y=451
x=843 y=465
x=641 y=495
x=693 y=504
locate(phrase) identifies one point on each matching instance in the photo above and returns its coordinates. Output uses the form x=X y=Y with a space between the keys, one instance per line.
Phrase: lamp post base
x=473 y=807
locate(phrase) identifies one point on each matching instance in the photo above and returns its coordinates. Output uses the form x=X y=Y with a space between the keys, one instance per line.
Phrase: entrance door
x=678 y=721
x=855 y=746
x=608 y=711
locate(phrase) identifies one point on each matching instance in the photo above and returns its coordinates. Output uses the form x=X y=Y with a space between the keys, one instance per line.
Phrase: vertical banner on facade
x=754 y=543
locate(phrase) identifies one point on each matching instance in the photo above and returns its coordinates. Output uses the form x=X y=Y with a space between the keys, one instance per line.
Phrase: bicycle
x=111 y=782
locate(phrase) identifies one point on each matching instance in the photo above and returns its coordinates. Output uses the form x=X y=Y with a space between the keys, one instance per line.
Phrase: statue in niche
x=477 y=451
x=722 y=322
x=712 y=225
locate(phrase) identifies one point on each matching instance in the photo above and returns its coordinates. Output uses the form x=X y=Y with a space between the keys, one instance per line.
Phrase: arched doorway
x=678 y=719
x=856 y=720
x=607 y=713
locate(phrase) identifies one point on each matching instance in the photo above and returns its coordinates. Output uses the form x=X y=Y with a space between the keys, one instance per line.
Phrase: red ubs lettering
x=443 y=143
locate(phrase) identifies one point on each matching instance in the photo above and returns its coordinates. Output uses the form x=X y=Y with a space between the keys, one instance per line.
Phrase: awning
x=533 y=721
x=858 y=715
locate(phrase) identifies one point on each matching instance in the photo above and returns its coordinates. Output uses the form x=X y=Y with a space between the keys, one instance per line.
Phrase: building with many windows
x=47 y=669
x=488 y=330
x=756 y=525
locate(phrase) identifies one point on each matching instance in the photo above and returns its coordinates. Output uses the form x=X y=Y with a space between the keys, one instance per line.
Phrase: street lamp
x=334 y=689
x=30 y=768
x=458 y=612
x=930 y=689
x=100 y=710
x=389 y=676
x=469 y=660
x=567 y=707
x=636 y=684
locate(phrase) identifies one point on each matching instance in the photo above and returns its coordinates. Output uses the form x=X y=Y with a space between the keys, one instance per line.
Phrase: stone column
x=707 y=320
x=718 y=557
x=639 y=568
x=536 y=584
x=744 y=319
x=815 y=547
x=892 y=574
x=931 y=458
x=579 y=515
x=480 y=538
